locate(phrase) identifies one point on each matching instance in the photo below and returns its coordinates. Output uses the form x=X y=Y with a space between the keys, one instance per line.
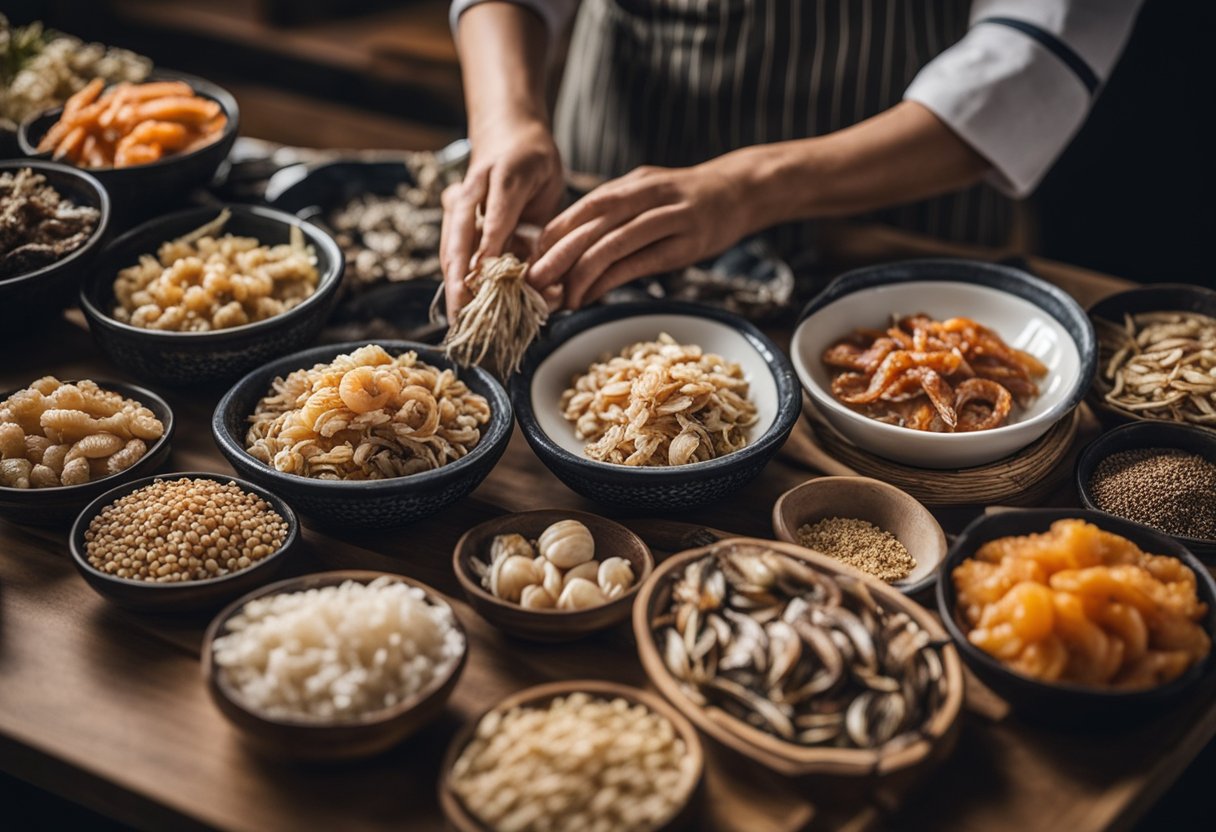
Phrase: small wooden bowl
x=682 y=817
x=186 y=596
x=862 y=498
x=936 y=736
x=310 y=740
x=611 y=539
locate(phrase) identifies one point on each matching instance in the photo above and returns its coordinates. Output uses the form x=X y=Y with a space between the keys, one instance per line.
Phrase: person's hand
x=515 y=175
x=649 y=221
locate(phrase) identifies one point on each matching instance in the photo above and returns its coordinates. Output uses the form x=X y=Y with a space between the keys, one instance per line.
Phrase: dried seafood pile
x=1160 y=365
x=38 y=225
x=501 y=321
x=943 y=376
x=660 y=403
x=806 y=656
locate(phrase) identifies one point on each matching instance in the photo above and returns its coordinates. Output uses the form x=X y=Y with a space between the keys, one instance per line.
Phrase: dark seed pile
x=1168 y=489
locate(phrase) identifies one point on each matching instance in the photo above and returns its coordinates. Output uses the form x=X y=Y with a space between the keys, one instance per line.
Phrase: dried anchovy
x=808 y=657
x=501 y=321
x=38 y=226
x=1160 y=365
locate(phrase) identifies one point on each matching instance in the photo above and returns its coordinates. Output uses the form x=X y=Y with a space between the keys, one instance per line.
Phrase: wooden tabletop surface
x=108 y=708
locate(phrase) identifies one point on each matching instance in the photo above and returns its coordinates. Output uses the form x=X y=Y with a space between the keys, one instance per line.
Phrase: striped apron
x=677 y=82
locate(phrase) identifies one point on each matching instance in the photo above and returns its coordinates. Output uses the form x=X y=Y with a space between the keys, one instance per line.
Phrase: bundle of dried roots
x=501 y=321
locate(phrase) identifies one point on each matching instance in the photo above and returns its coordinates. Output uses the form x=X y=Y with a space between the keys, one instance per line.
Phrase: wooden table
x=108 y=708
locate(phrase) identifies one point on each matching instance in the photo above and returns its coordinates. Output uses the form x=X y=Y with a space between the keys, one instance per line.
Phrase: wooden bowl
x=186 y=596
x=876 y=502
x=682 y=817
x=936 y=736
x=311 y=740
x=611 y=539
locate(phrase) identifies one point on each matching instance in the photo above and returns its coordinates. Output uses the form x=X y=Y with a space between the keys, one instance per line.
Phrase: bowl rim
x=201 y=86
x=89 y=246
x=783 y=757
x=462 y=818
x=284 y=184
x=1093 y=453
x=565 y=327
x=963 y=549
x=993 y=276
x=89 y=513
x=497 y=431
x=891 y=494
x=328 y=279
x=473 y=589
x=130 y=391
x=217 y=681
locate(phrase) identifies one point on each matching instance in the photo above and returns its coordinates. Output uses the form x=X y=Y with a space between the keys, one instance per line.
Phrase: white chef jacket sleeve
x=1019 y=85
x=556 y=14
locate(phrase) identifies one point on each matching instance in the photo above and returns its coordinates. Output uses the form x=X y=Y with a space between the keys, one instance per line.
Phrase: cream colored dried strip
x=1161 y=365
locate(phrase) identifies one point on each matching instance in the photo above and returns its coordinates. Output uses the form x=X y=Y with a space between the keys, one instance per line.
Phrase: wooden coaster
x=1027 y=478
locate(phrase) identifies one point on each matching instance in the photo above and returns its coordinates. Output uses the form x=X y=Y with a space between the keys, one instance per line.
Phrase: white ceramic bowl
x=1026 y=312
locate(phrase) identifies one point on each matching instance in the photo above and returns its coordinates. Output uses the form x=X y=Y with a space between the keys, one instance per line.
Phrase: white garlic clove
x=482 y=570
x=580 y=594
x=506 y=545
x=587 y=571
x=510 y=575
x=615 y=572
x=566 y=544
x=552 y=579
x=536 y=597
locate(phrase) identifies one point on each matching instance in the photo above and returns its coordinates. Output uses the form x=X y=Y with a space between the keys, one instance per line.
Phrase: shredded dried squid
x=660 y=403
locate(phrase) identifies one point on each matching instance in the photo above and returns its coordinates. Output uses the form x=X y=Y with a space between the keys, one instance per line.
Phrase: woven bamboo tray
x=1026 y=478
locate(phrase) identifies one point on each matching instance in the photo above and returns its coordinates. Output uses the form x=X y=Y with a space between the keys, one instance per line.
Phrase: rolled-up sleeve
x=1019 y=85
x=556 y=14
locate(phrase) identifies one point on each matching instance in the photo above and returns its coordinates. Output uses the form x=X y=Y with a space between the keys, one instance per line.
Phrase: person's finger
x=618 y=245
x=555 y=263
x=662 y=256
x=506 y=198
x=458 y=234
x=627 y=196
x=456 y=296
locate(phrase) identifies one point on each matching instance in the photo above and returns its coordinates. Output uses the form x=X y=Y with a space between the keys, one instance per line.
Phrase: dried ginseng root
x=501 y=321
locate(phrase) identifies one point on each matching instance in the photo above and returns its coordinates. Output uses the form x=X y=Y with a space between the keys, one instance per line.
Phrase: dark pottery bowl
x=1063 y=702
x=1164 y=297
x=46 y=291
x=315 y=741
x=365 y=503
x=139 y=189
x=1028 y=313
x=58 y=506
x=191 y=358
x=1147 y=434
x=185 y=596
x=574 y=342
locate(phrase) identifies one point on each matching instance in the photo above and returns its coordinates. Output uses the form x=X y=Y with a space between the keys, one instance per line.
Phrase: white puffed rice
x=338 y=652
x=581 y=763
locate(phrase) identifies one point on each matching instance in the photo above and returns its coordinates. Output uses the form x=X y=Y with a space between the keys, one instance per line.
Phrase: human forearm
x=503 y=48
x=902 y=155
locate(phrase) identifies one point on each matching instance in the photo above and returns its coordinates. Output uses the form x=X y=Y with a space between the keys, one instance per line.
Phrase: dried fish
x=811 y=658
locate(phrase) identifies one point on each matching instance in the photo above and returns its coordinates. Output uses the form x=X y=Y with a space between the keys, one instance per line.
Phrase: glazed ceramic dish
x=1026 y=312
x=575 y=342
x=189 y=358
x=363 y=503
x=1061 y=701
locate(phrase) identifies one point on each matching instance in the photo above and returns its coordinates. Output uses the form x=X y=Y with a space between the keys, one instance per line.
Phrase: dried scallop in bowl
x=660 y=403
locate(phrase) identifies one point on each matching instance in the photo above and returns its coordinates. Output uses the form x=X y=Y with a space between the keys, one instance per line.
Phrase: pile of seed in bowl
x=1166 y=488
x=861 y=545
x=579 y=762
x=183 y=530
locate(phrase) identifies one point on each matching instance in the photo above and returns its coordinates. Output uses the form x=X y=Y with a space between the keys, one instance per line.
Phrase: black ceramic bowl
x=181 y=358
x=574 y=342
x=136 y=189
x=47 y=290
x=1063 y=701
x=186 y=596
x=1147 y=435
x=57 y=506
x=368 y=503
x=1164 y=297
